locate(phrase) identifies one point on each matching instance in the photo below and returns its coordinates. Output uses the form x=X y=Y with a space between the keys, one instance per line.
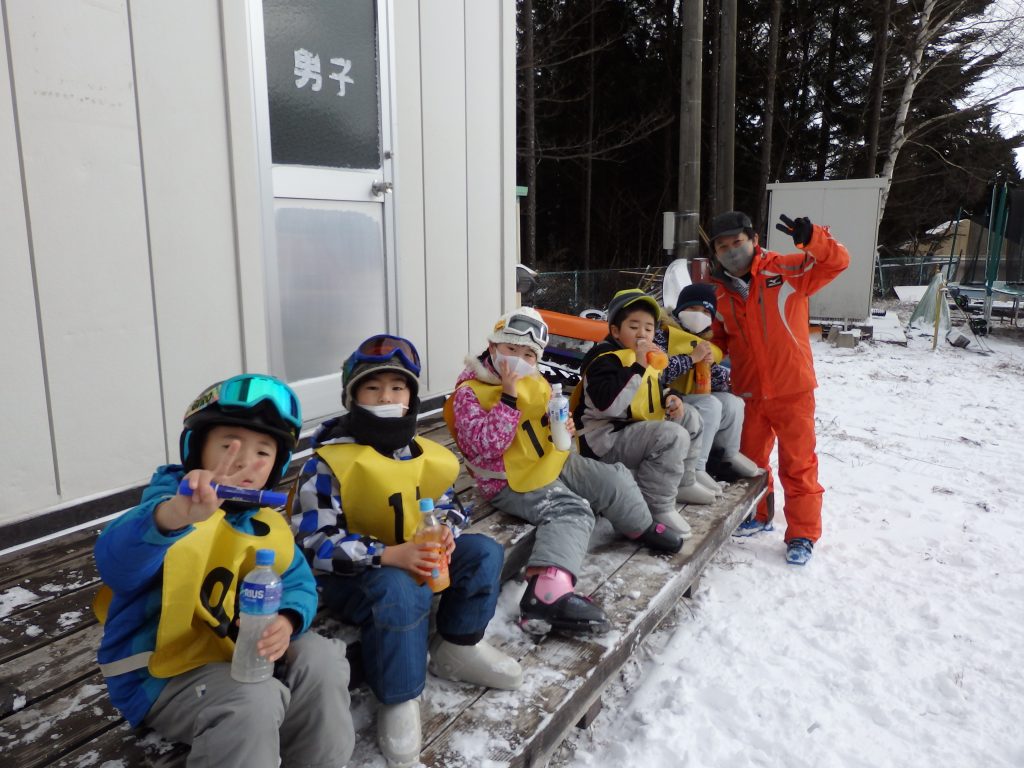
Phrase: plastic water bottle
x=259 y=600
x=430 y=532
x=558 y=418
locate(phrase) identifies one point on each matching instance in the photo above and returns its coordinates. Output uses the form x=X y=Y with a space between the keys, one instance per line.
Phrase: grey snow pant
x=722 y=415
x=564 y=510
x=304 y=718
x=655 y=451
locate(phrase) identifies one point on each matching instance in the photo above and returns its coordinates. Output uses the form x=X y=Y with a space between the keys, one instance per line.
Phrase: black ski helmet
x=251 y=400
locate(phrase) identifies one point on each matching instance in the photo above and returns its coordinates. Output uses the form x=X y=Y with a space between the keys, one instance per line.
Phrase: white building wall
x=455 y=175
x=26 y=450
x=187 y=169
x=133 y=232
x=75 y=112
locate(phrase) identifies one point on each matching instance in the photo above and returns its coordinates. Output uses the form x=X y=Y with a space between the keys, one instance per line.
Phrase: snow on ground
x=902 y=642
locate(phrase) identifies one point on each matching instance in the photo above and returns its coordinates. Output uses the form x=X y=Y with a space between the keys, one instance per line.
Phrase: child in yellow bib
x=627 y=417
x=172 y=568
x=721 y=411
x=356 y=513
x=498 y=414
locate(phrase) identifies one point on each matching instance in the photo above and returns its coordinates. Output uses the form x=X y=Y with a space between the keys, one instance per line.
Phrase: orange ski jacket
x=767 y=333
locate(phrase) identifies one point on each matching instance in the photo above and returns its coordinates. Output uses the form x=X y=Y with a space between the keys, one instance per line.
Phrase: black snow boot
x=661 y=538
x=570 y=614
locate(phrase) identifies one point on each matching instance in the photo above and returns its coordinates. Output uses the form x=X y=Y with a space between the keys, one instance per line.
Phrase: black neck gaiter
x=385 y=435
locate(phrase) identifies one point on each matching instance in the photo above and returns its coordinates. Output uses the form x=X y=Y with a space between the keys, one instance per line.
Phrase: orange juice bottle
x=431 y=532
x=702 y=378
x=657 y=359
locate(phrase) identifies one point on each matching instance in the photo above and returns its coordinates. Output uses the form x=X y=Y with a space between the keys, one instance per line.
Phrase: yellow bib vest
x=682 y=342
x=646 y=404
x=202 y=574
x=380 y=495
x=531 y=461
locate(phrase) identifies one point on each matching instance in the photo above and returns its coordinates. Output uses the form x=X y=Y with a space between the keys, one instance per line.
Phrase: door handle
x=381 y=188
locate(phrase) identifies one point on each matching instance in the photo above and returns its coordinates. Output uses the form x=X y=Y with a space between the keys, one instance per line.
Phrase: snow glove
x=799 y=229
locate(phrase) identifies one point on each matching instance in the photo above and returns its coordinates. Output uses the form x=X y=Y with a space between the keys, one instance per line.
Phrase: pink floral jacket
x=483 y=436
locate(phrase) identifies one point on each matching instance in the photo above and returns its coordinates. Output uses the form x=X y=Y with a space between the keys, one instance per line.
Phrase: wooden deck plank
x=35 y=627
x=51 y=667
x=570 y=673
x=33 y=737
x=44 y=558
x=76 y=573
x=123 y=747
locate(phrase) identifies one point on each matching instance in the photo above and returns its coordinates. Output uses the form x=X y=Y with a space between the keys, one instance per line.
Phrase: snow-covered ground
x=902 y=642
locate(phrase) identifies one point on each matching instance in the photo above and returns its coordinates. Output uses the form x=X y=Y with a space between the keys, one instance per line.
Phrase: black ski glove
x=800 y=229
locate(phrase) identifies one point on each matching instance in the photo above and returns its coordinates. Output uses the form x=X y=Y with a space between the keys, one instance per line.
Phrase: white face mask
x=693 y=321
x=736 y=261
x=518 y=364
x=387 y=410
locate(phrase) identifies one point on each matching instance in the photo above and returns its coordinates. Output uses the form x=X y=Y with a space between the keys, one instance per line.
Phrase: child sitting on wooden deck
x=171 y=569
x=356 y=513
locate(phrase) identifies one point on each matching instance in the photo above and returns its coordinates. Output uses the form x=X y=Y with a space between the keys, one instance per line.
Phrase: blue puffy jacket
x=129 y=555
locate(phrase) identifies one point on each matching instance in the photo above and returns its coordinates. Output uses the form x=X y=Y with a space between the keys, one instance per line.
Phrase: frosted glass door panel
x=331 y=281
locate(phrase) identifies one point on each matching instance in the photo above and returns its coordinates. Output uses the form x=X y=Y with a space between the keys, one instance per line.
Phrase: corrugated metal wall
x=132 y=219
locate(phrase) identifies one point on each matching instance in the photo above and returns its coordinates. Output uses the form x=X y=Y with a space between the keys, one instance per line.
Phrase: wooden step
x=565 y=676
x=54 y=710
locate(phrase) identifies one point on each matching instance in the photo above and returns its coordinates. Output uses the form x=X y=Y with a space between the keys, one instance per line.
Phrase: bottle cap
x=426 y=505
x=264 y=557
x=556 y=389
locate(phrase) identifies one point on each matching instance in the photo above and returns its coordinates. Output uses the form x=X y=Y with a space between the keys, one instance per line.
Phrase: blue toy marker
x=246 y=495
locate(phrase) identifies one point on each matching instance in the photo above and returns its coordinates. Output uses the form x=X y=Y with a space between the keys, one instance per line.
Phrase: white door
x=330 y=278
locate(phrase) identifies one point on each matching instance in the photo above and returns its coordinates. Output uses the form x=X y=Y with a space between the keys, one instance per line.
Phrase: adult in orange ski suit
x=763 y=324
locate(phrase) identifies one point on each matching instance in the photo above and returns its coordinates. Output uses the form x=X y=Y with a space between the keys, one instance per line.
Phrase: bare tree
x=884 y=12
x=934 y=36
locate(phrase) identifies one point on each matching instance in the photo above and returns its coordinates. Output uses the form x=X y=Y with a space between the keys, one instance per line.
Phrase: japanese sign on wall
x=322 y=82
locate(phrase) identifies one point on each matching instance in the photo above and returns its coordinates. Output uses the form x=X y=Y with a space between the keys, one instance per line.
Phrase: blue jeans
x=393 y=612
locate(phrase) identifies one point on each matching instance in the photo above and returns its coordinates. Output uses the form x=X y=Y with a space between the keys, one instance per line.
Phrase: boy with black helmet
x=628 y=418
x=356 y=516
x=172 y=568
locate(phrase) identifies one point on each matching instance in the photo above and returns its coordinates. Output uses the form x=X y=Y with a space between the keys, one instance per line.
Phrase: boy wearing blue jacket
x=172 y=567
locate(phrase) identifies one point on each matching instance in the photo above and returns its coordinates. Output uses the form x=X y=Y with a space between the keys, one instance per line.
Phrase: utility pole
x=727 y=109
x=686 y=245
x=530 y=118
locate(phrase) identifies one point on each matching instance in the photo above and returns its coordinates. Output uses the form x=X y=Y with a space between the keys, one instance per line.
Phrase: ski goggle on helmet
x=524 y=325
x=254 y=401
x=381 y=349
x=247 y=391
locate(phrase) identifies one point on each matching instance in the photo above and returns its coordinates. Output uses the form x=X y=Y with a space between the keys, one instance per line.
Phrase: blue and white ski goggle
x=248 y=390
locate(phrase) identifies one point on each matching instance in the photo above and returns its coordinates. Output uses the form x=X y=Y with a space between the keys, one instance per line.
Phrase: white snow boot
x=709 y=482
x=480 y=664
x=695 y=493
x=399 y=733
x=742 y=466
x=676 y=522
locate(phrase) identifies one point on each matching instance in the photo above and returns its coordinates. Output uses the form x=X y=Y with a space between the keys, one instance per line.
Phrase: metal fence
x=911 y=270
